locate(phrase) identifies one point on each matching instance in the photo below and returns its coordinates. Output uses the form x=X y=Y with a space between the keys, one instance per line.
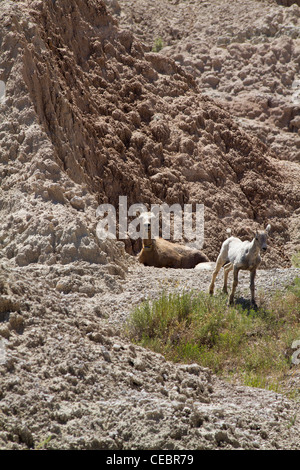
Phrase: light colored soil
x=89 y=114
x=66 y=372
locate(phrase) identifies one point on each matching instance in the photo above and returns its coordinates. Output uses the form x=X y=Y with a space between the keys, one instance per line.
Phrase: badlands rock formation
x=90 y=116
x=87 y=114
x=245 y=55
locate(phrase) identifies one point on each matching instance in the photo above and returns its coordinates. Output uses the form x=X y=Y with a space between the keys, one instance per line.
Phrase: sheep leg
x=227 y=268
x=252 y=287
x=234 y=283
x=219 y=264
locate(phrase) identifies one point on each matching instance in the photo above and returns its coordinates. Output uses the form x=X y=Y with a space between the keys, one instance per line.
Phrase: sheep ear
x=268 y=228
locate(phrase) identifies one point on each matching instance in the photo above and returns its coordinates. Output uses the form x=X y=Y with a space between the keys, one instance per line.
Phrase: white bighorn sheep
x=162 y=253
x=236 y=254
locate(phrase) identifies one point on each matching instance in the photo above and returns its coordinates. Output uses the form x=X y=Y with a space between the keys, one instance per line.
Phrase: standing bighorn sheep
x=236 y=254
x=162 y=253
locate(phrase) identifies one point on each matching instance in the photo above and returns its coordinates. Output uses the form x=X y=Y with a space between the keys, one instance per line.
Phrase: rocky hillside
x=243 y=55
x=88 y=113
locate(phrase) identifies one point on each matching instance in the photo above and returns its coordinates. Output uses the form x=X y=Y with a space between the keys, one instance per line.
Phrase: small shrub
x=158 y=45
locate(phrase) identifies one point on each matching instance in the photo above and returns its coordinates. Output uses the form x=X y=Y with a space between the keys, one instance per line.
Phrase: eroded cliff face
x=47 y=216
x=89 y=115
x=244 y=55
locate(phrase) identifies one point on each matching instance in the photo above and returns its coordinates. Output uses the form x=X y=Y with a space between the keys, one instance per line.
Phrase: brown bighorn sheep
x=162 y=253
x=236 y=254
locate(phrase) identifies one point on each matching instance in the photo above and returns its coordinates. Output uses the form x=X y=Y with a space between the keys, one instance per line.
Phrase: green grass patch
x=296 y=259
x=158 y=45
x=238 y=343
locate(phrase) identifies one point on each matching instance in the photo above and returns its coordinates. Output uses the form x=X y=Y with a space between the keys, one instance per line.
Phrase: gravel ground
x=69 y=380
x=148 y=282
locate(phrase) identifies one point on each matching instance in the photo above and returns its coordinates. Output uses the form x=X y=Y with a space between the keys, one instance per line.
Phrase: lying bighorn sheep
x=237 y=255
x=161 y=253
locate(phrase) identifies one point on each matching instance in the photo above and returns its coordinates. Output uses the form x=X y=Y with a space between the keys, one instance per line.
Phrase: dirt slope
x=87 y=115
x=243 y=54
x=112 y=120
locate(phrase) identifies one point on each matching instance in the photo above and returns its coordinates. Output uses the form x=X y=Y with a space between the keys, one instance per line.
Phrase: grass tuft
x=158 y=45
x=296 y=259
x=250 y=346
